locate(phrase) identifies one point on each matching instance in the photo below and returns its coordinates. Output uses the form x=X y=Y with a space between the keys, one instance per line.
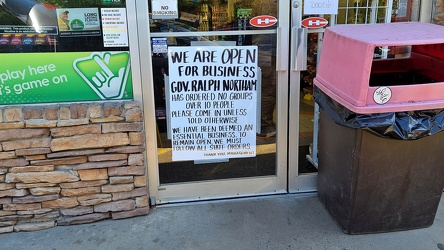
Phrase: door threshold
x=247 y=198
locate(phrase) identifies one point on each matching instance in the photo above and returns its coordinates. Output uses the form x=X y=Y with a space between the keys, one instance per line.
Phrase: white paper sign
x=212 y=101
x=164 y=9
x=115 y=29
x=314 y=7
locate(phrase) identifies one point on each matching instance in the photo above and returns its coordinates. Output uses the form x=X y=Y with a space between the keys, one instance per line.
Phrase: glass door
x=219 y=98
x=303 y=112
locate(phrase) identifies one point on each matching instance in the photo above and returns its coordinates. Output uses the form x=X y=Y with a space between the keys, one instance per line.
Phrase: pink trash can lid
x=346 y=61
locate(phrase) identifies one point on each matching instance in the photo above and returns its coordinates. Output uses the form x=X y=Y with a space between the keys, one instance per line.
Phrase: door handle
x=298 y=49
x=282 y=41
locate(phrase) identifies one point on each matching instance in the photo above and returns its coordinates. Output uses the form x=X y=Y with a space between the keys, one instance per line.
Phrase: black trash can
x=381 y=159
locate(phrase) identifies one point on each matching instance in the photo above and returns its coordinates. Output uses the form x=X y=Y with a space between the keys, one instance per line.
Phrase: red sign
x=263 y=21
x=314 y=22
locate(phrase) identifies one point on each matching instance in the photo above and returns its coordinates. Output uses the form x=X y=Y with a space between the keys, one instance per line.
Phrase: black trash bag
x=408 y=125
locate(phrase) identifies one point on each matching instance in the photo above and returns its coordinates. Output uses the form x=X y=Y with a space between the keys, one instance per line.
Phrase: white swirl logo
x=382 y=95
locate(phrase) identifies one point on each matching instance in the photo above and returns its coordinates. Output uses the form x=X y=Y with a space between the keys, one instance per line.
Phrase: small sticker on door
x=382 y=95
x=263 y=21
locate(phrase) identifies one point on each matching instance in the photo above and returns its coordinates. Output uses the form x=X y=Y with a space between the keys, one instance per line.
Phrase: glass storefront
x=74 y=51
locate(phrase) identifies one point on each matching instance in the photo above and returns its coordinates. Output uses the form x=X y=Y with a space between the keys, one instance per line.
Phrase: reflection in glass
x=217 y=15
x=32 y=26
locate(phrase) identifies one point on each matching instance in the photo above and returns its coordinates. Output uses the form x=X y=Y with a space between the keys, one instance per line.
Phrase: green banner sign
x=63 y=77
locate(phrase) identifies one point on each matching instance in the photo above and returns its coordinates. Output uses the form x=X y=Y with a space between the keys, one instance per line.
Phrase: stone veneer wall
x=68 y=164
x=438 y=15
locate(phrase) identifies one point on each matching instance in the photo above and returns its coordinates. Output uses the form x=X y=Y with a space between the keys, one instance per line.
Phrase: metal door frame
x=230 y=188
x=307 y=182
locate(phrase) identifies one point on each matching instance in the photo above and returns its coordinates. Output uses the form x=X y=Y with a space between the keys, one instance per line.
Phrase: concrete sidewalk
x=272 y=222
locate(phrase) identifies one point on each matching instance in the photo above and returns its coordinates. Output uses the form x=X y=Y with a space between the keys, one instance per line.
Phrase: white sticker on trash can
x=382 y=95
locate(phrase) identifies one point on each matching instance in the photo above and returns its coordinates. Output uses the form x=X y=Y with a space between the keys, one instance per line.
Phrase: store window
x=362 y=11
x=401 y=11
x=215 y=15
x=63 y=51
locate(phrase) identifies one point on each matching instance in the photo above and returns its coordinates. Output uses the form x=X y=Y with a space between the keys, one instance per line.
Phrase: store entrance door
x=220 y=98
x=227 y=94
x=307 y=28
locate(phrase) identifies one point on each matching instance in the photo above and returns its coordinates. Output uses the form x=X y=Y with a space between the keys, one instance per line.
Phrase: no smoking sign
x=164 y=9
